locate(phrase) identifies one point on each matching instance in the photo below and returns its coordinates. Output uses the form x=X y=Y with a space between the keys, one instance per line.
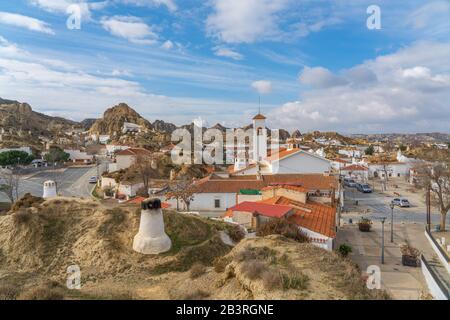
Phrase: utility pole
x=392 y=222
x=428 y=208
x=382 y=239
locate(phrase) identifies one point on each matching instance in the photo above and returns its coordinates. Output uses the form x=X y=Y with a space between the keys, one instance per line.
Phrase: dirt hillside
x=40 y=239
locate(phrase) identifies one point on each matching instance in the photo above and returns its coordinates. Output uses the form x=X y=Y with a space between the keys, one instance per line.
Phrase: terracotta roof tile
x=265 y=209
x=313 y=216
x=354 y=167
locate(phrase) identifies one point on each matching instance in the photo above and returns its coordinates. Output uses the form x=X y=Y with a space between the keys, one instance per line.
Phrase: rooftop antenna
x=259 y=108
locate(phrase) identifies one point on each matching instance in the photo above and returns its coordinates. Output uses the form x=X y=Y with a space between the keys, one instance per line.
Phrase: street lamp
x=382 y=239
x=392 y=222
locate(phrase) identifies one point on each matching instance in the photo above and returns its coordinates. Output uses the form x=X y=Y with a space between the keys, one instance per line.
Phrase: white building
x=129 y=127
x=23 y=149
x=79 y=156
x=283 y=161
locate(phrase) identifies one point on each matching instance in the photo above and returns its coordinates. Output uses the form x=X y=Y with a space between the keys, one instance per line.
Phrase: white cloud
x=167 y=45
x=131 y=28
x=60 y=6
x=237 y=21
x=319 y=77
x=262 y=86
x=407 y=91
x=170 y=4
x=26 y=22
x=228 y=53
x=432 y=18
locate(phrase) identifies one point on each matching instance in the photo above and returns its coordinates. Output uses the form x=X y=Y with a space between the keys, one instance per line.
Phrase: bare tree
x=436 y=177
x=146 y=167
x=182 y=190
x=9 y=184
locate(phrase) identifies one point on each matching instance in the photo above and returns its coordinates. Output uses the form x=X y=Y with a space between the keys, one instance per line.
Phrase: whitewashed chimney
x=151 y=238
x=49 y=189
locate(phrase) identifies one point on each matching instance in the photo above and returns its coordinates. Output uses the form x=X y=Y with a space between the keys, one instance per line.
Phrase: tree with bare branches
x=146 y=168
x=183 y=190
x=436 y=177
x=9 y=184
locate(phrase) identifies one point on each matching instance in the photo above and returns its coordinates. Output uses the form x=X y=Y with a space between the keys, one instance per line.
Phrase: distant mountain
x=406 y=138
x=160 y=125
x=113 y=119
x=87 y=123
x=296 y=134
x=18 y=116
x=6 y=101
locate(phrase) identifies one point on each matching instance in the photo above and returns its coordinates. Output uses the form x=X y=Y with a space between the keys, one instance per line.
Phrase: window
x=216 y=203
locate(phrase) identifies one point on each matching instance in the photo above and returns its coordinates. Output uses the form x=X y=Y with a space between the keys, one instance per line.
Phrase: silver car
x=401 y=202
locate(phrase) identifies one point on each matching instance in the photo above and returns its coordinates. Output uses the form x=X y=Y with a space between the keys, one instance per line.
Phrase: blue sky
x=315 y=63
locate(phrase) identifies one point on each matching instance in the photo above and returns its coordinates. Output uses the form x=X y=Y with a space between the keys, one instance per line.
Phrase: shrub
x=344 y=250
x=8 y=292
x=43 y=292
x=365 y=224
x=295 y=280
x=407 y=250
x=27 y=201
x=196 y=295
x=253 y=269
x=197 y=270
x=257 y=253
x=282 y=227
x=272 y=280
x=220 y=263
x=236 y=233
x=21 y=217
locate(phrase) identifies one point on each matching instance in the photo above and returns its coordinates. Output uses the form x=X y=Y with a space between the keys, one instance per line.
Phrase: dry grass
x=21 y=217
x=197 y=294
x=197 y=270
x=48 y=291
x=253 y=269
x=8 y=292
x=27 y=201
x=282 y=227
x=220 y=263
x=272 y=280
x=294 y=280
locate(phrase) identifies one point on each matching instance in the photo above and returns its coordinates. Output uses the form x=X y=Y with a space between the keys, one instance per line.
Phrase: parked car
x=364 y=187
x=401 y=202
x=349 y=183
x=93 y=180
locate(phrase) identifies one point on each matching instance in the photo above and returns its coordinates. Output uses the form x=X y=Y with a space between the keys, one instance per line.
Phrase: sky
x=314 y=64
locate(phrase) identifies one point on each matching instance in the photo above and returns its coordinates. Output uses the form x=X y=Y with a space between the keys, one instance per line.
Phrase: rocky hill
x=113 y=119
x=40 y=239
x=18 y=116
x=166 y=127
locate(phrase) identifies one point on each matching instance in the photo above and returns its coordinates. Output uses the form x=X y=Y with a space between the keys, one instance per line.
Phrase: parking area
x=71 y=182
x=377 y=203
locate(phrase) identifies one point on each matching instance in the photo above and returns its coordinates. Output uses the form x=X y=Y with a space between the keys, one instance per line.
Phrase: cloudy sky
x=315 y=63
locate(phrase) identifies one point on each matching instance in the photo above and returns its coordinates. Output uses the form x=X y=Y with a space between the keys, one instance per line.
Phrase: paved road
x=71 y=182
x=373 y=205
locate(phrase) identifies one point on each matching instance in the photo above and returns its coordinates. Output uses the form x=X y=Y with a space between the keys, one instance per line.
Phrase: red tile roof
x=313 y=216
x=286 y=186
x=354 y=167
x=311 y=182
x=283 y=153
x=268 y=210
x=259 y=116
x=134 y=152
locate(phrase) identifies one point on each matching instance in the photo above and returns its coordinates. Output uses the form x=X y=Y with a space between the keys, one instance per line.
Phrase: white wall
x=301 y=163
x=24 y=149
x=396 y=170
x=205 y=202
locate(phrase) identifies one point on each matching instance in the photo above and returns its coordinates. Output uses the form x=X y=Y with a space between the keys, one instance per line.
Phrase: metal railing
x=441 y=250
x=436 y=278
